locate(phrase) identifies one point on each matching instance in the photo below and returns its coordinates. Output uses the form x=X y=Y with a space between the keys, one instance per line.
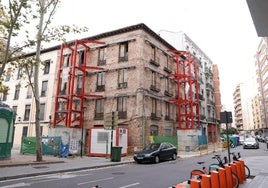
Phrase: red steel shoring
x=184 y=78
x=71 y=78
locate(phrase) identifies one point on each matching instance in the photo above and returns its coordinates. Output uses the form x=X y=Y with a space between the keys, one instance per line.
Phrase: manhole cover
x=38 y=167
x=118 y=173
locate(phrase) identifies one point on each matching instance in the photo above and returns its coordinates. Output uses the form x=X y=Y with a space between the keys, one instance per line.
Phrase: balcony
x=154 y=88
x=122 y=85
x=100 y=88
x=153 y=62
x=98 y=116
x=122 y=114
x=155 y=116
x=166 y=69
x=168 y=93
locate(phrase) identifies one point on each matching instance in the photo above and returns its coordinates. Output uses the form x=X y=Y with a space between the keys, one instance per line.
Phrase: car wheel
x=174 y=156
x=156 y=159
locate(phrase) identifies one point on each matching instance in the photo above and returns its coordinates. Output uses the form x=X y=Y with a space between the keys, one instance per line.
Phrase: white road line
x=130 y=185
x=94 y=181
x=16 y=185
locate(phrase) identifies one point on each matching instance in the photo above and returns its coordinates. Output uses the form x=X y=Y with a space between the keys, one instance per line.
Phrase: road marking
x=130 y=185
x=16 y=185
x=94 y=181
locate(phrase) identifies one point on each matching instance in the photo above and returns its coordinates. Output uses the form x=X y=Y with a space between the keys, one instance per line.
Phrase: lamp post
x=82 y=132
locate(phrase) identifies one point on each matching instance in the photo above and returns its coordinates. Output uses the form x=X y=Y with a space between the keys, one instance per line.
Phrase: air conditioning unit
x=122 y=131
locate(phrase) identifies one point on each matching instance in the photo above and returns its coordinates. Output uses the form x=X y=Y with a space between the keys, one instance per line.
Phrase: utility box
x=7 y=119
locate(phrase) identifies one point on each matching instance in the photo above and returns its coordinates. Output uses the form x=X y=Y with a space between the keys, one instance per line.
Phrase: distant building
x=261 y=64
x=243 y=97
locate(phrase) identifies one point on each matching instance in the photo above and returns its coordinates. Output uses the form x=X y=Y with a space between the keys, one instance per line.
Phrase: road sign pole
x=112 y=134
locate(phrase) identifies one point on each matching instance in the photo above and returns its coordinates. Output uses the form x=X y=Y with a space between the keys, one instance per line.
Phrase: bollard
x=222 y=178
x=206 y=181
x=195 y=183
x=239 y=172
x=234 y=170
x=229 y=178
x=215 y=179
x=243 y=171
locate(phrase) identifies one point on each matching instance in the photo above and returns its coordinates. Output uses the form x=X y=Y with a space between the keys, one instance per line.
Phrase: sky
x=224 y=30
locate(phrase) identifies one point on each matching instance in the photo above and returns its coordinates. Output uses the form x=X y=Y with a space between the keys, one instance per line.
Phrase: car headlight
x=147 y=155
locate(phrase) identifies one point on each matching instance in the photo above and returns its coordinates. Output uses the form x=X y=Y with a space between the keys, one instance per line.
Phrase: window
x=100 y=81
x=19 y=75
x=66 y=60
x=122 y=78
x=102 y=137
x=42 y=111
x=81 y=56
x=29 y=92
x=79 y=84
x=168 y=111
x=63 y=87
x=153 y=130
x=46 y=66
x=44 y=88
x=167 y=67
x=154 y=61
x=8 y=74
x=123 y=51
x=154 y=82
x=4 y=97
x=15 y=108
x=17 y=92
x=153 y=53
x=122 y=107
x=99 y=109
x=24 y=130
x=167 y=88
x=102 y=56
x=27 y=112
x=155 y=115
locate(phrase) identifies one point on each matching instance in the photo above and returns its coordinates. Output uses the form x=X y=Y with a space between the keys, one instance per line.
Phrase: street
x=161 y=175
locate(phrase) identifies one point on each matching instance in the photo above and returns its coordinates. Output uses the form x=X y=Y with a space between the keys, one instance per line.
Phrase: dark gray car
x=156 y=152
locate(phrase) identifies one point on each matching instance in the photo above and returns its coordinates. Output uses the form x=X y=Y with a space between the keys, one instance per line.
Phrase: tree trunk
x=39 y=156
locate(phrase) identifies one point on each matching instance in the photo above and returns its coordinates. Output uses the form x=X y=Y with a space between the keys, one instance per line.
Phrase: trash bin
x=116 y=153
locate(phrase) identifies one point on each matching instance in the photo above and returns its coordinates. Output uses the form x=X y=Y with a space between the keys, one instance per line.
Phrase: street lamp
x=82 y=131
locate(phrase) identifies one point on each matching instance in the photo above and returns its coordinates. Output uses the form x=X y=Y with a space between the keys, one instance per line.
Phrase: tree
x=45 y=9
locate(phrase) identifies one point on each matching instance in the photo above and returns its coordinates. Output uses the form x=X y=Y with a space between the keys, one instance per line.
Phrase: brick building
x=128 y=71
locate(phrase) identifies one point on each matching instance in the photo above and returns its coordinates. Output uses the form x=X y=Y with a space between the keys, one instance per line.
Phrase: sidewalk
x=25 y=165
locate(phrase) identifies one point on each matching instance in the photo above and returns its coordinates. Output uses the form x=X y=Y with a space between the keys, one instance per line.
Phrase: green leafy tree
x=42 y=12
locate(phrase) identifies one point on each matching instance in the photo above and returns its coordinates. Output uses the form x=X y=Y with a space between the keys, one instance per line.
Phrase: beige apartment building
x=129 y=71
x=261 y=59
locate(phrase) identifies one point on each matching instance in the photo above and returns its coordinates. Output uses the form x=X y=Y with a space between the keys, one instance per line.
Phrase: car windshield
x=152 y=146
x=250 y=139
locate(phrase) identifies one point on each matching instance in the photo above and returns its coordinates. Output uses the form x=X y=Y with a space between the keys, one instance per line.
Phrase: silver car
x=251 y=143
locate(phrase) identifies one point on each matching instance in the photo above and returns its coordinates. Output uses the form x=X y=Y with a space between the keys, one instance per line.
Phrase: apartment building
x=128 y=71
x=20 y=97
x=261 y=64
x=243 y=96
x=209 y=85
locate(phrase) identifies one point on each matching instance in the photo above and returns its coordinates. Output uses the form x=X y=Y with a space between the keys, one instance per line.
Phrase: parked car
x=241 y=140
x=251 y=142
x=156 y=152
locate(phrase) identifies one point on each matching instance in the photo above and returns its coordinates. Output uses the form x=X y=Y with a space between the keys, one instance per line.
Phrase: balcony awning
x=258 y=10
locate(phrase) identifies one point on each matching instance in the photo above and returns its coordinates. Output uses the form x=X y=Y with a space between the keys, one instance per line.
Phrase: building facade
x=128 y=71
x=261 y=64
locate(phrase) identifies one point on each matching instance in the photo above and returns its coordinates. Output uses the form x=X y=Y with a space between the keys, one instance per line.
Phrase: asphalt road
x=161 y=175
